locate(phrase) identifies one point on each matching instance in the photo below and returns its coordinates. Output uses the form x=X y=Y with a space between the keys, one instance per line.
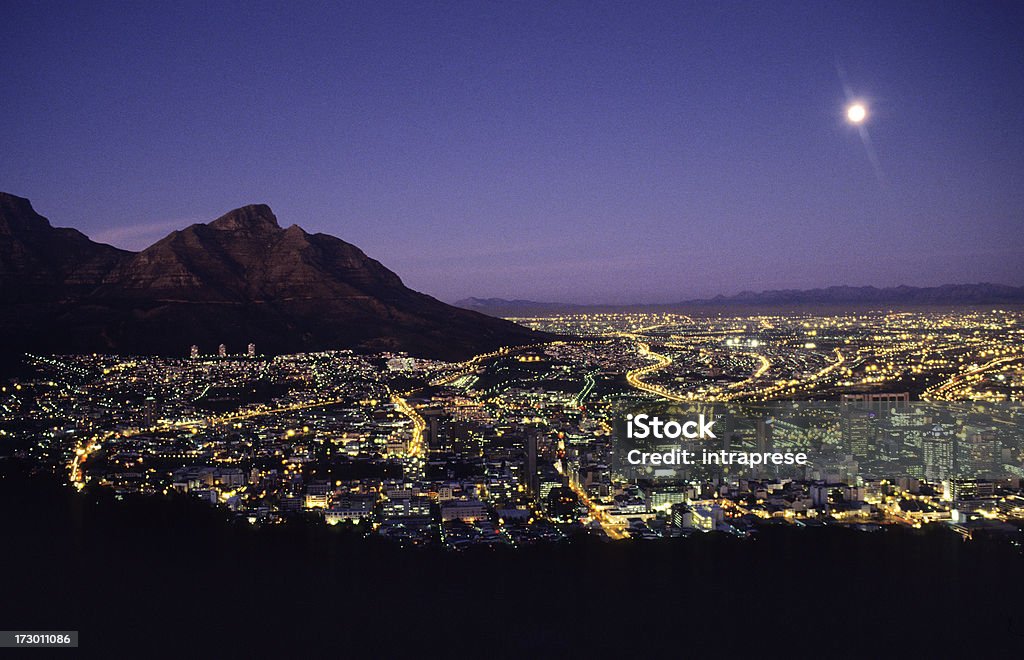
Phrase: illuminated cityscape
x=908 y=418
x=512 y=329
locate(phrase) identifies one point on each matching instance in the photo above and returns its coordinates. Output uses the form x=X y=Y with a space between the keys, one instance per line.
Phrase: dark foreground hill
x=241 y=278
x=155 y=577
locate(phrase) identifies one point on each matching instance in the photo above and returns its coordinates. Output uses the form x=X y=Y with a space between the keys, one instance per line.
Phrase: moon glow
x=856 y=113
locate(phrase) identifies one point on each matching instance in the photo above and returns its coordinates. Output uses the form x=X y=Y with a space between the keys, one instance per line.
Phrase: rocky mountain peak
x=17 y=215
x=239 y=279
x=252 y=218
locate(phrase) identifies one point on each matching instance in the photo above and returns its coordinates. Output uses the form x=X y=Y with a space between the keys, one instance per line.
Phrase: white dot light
x=856 y=113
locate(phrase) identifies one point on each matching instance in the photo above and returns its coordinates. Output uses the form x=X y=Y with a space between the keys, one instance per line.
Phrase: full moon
x=856 y=113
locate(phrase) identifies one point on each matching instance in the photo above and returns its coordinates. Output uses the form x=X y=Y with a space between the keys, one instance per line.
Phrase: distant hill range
x=854 y=297
x=239 y=279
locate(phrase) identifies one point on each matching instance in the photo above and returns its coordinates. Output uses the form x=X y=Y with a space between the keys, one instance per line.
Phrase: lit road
x=635 y=377
x=828 y=369
x=416 y=449
x=792 y=387
x=941 y=390
x=613 y=530
x=588 y=387
x=82 y=452
x=474 y=363
x=761 y=369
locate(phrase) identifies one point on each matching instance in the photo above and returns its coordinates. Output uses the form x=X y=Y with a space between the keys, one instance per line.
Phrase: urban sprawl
x=909 y=418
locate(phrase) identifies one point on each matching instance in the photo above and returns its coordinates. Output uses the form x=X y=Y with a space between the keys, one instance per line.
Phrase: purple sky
x=579 y=152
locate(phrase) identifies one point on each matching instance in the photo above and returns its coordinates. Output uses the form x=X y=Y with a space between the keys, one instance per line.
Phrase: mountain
x=502 y=307
x=241 y=278
x=40 y=262
x=782 y=299
x=859 y=296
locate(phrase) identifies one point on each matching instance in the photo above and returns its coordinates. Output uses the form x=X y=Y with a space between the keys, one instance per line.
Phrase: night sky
x=590 y=152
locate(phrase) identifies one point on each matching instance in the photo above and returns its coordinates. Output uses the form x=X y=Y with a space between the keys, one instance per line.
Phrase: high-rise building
x=222 y=350
x=819 y=495
x=150 y=411
x=940 y=453
x=764 y=434
x=858 y=427
x=862 y=413
x=432 y=432
x=967 y=489
x=880 y=403
x=251 y=350
x=532 y=485
x=194 y=352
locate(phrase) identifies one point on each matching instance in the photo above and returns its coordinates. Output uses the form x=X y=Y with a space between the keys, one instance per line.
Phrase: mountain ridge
x=240 y=278
x=982 y=293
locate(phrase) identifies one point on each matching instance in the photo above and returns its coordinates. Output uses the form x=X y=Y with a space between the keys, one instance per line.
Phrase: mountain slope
x=503 y=307
x=239 y=279
x=39 y=262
